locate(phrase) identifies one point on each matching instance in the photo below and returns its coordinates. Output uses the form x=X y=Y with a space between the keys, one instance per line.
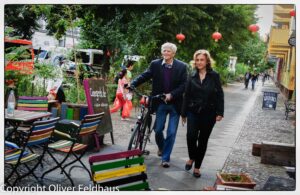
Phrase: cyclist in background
x=168 y=76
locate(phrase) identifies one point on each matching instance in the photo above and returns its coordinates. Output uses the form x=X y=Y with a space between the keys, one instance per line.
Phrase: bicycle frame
x=142 y=131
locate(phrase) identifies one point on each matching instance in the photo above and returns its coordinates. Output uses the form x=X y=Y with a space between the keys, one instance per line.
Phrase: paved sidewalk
x=238 y=105
x=229 y=147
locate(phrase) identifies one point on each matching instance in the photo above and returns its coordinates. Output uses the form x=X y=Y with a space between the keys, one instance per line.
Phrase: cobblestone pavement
x=261 y=125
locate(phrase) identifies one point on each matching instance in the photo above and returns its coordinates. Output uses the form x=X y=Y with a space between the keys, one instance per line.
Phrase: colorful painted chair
x=19 y=156
x=68 y=143
x=122 y=170
x=35 y=103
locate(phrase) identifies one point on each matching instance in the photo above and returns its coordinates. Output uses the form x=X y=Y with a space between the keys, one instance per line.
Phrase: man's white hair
x=170 y=46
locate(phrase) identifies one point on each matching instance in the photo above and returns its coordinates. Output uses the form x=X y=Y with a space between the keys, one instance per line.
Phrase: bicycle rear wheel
x=134 y=139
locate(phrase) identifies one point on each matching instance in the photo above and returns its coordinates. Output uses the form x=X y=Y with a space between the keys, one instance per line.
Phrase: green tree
x=143 y=28
x=254 y=50
x=61 y=18
x=22 y=18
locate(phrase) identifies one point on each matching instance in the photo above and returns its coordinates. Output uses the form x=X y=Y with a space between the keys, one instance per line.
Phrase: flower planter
x=241 y=180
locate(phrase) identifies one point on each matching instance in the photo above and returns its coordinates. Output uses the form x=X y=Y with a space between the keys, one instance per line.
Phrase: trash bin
x=270 y=99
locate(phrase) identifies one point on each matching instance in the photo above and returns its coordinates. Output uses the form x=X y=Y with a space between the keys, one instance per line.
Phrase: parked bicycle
x=142 y=130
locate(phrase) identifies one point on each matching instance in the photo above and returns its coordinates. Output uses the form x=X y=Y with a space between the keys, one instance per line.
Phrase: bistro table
x=21 y=116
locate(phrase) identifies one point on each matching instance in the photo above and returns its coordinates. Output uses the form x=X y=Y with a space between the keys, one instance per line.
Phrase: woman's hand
x=219 y=118
x=183 y=120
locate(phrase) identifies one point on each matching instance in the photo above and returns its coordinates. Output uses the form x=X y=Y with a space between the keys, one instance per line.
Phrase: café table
x=22 y=116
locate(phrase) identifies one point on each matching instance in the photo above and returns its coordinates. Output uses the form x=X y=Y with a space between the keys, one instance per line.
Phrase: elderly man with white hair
x=168 y=76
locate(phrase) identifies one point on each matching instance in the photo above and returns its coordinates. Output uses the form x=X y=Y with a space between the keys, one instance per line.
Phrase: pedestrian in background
x=203 y=105
x=168 y=77
x=254 y=78
x=247 y=78
x=264 y=77
x=129 y=68
x=121 y=96
x=129 y=95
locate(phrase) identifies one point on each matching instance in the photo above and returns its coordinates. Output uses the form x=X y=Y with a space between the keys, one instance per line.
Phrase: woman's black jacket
x=207 y=95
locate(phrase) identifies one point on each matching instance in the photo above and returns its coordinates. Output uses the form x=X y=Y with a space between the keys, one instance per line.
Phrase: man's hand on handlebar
x=168 y=97
x=130 y=88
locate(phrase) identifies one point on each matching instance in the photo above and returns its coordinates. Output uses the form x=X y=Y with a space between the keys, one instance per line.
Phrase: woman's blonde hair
x=206 y=54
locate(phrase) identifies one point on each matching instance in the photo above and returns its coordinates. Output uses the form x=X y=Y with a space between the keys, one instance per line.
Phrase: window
x=98 y=58
x=61 y=43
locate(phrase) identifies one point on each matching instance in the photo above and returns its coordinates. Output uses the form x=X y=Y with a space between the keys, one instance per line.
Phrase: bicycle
x=142 y=131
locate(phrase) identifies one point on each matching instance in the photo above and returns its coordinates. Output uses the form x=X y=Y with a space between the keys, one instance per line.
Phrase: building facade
x=40 y=39
x=282 y=51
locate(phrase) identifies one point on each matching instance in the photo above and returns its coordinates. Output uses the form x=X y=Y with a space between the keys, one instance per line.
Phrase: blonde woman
x=203 y=105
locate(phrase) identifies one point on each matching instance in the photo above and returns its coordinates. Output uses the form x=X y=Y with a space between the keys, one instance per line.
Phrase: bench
x=290 y=106
x=36 y=104
x=124 y=171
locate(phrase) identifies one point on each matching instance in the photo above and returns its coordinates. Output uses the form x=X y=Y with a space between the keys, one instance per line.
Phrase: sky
x=265 y=15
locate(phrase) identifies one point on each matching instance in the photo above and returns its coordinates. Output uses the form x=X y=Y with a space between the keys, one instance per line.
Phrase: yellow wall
x=278 y=45
x=292 y=70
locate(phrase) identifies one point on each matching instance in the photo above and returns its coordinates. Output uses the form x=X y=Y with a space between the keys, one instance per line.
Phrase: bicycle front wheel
x=146 y=132
x=134 y=139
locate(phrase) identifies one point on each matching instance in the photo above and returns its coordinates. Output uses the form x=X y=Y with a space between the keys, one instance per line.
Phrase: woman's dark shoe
x=188 y=166
x=197 y=175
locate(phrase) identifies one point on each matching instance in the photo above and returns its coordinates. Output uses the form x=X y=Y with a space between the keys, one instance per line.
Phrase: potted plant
x=241 y=180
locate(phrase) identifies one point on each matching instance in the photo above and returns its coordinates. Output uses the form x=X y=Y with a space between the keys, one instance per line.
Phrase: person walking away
x=247 y=78
x=253 y=80
x=120 y=100
x=263 y=79
x=168 y=76
x=203 y=105
x=129 y=68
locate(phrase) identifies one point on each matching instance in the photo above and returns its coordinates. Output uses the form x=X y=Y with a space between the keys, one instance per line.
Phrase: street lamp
x=248 y=62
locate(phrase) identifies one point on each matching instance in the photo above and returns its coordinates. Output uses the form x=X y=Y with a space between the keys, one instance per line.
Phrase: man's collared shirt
x=167 y=65
x=167 y=75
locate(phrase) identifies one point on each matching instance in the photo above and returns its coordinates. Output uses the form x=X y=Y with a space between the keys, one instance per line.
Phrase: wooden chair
x=68 y=142
x=122 y=170
x=19 y=156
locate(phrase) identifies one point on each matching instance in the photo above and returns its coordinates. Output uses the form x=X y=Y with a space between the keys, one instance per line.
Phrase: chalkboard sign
x=97 y=100
x=270 y=100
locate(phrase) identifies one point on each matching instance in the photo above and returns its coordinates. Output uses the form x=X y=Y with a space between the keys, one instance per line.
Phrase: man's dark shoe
x=159 y=153
x=165 y=164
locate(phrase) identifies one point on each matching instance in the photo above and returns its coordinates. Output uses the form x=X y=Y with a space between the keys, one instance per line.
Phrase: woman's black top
x=205 y=95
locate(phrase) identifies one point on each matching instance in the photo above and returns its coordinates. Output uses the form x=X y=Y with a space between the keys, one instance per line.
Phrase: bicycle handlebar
x=159 y=96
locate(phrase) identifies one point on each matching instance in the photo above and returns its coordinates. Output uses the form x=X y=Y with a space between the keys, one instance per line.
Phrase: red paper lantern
x=253 y=28
x=293 y=13
x=180 y=37
x=216 y=36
